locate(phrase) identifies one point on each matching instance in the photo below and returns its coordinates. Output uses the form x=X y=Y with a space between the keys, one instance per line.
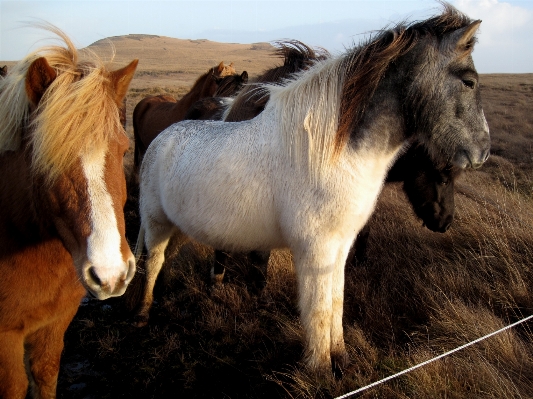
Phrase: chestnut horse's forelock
x=74 y=116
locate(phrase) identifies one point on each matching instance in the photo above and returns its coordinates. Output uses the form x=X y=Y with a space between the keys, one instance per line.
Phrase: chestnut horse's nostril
x=131 y=270
x=94 y=276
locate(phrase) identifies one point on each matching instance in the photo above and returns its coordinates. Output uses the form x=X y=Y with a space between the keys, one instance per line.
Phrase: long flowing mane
x=320 y=107
x=75 y=116
x=252 y=98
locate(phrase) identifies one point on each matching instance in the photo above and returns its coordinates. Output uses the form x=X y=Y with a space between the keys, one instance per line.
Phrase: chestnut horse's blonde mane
x=76 y=115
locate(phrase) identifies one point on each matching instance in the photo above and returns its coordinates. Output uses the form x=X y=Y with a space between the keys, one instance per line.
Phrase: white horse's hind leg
x=157 y=237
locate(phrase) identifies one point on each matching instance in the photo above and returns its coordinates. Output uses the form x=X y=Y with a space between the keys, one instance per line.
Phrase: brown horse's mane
x=75 y=116
x=366 y=65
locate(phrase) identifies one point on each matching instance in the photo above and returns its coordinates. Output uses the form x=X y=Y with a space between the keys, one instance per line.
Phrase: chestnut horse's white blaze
x=305 y=174
x=104 y=242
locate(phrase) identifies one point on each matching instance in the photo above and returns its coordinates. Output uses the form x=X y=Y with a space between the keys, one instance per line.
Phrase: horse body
x=305 y=174
x=61 y=195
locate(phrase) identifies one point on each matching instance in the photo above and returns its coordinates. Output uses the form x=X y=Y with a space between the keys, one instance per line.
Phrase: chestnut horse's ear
x=121 y=79
x=244 y=77
x=38 y=78
x=220 y=67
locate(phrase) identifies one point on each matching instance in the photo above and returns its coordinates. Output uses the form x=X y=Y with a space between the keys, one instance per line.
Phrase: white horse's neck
x=307 y=111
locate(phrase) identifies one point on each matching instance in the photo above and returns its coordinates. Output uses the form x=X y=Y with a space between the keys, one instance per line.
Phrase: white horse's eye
x=469 y=83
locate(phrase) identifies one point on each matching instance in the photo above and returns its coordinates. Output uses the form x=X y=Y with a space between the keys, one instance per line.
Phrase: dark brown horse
x=61 y=197
x=3 y=71
x=429 y=188
x=154 y=114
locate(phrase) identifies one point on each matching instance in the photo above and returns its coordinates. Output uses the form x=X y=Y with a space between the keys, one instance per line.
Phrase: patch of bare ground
x=419 y=293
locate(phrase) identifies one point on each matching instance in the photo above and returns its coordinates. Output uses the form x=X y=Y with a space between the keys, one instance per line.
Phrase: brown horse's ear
x=464 y=38
x=121 y=79
x=220 y=67
x=244 y=77
x=38 y=78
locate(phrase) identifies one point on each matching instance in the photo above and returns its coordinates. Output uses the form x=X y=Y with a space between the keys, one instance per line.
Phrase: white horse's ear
x=463 y=39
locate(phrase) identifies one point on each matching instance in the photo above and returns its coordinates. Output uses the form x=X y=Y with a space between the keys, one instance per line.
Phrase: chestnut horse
x=155 y=113
x=61 y=197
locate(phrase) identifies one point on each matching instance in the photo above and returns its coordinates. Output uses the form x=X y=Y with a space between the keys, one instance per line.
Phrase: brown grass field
x=419 y=294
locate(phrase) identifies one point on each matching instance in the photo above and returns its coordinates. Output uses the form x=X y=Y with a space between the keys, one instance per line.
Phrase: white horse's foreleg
x=157 y=237
x=320 y=275
x=314 y=273
x=339 y=356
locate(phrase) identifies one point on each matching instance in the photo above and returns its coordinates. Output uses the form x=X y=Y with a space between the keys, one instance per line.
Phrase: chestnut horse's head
x=75 y=144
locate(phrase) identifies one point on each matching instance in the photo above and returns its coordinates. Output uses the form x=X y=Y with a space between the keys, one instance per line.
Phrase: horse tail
x=139 y=245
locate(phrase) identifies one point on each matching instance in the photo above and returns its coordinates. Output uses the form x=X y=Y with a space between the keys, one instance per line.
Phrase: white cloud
x=505 y=35
x=500 y=15
x=499 y=18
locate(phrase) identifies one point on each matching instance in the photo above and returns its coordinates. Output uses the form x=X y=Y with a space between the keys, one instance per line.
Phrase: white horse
x=306 y=172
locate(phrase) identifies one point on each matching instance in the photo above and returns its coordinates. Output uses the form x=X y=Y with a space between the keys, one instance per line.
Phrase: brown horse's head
x=223 y=70
x=75 y=145
x=207 y=83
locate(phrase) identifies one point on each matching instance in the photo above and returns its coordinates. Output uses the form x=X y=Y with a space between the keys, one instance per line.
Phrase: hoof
x=217 y=278
x=339 y=363
x=140 y=321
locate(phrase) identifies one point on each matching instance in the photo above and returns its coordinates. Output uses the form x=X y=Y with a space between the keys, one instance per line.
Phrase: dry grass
x=418 y=295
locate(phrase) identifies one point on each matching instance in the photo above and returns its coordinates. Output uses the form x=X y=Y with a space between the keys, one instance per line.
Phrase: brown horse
x=3 y=71
x=61 y=197
x=154 y=114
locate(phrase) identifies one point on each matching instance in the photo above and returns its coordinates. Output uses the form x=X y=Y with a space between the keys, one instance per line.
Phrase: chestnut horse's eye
x=469 y=83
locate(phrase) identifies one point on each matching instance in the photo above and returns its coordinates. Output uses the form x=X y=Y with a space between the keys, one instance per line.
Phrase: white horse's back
x=225 y=177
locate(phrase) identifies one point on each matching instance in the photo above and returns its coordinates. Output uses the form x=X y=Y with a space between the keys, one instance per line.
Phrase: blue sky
x=505 y=37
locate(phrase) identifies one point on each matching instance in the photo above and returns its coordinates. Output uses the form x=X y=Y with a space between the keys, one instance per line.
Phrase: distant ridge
x=191 y=56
